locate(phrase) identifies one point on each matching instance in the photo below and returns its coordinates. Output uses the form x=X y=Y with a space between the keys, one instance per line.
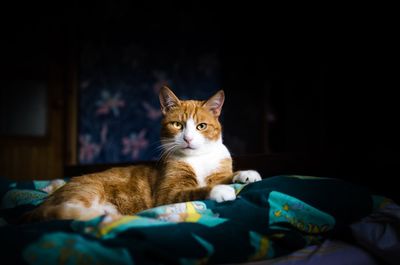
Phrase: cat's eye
x=201 y=126
x=177 y=125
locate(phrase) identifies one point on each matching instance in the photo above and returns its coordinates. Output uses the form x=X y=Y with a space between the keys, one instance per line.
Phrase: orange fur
x=192 y=109
x=127 y=190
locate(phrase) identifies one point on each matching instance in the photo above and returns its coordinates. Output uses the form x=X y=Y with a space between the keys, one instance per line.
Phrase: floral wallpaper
x=119 y=81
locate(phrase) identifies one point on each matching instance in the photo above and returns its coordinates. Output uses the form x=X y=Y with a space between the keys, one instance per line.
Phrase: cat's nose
x=187 y=139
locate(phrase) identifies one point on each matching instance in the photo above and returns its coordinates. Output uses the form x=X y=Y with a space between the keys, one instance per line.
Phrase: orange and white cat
x=195 y=165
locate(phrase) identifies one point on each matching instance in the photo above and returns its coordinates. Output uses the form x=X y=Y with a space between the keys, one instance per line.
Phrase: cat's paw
x=246 y=176
x=221 y=193
x=111 y=217
x=53 y=186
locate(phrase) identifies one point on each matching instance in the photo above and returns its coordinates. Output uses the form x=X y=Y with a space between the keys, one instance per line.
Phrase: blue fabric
x=269 y=219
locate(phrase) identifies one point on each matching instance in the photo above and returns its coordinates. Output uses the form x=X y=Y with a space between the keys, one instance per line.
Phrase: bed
x=283 y=219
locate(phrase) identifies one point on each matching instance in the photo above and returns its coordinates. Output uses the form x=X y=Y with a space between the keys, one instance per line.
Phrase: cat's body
x=196 y=165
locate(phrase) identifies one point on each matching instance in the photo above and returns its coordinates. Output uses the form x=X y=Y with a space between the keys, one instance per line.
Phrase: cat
x=194 y=165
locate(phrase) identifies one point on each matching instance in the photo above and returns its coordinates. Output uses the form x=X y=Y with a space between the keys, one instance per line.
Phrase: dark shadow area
x=305 y=83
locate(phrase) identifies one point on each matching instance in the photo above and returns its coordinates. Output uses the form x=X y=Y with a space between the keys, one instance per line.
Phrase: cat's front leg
x=246 y=176
x=222 y=193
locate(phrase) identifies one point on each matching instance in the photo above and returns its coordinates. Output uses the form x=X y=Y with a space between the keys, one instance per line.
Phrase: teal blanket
x=270 y=218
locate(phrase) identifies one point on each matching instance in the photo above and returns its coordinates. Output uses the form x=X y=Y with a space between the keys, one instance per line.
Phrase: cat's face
x=190 y=127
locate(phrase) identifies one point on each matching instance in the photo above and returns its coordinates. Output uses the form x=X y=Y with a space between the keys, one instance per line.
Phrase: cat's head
x=190 y=127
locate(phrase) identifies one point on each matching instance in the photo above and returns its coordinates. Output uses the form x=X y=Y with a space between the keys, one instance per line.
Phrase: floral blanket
x=269 y=219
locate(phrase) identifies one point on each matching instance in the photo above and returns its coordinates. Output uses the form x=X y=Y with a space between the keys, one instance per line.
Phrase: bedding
x=268 y=223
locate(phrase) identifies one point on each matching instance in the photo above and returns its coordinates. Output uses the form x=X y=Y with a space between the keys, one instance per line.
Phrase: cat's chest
x=205 y=165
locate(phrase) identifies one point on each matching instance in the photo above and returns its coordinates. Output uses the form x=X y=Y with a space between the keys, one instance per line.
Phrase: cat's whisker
x=166 y=147
x=167 y=143
x=168 y=150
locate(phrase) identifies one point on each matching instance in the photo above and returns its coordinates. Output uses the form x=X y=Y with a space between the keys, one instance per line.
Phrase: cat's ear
x=214 y=104
x=168 y=99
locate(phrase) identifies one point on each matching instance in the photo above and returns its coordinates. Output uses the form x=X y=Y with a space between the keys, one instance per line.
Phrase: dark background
x=311 y=79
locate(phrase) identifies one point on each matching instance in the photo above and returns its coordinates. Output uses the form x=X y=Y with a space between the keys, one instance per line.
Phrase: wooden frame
x=71 y=137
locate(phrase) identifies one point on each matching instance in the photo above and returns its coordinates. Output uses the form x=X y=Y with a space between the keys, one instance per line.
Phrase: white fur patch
x=191 y=132
x=78 y=211
x=53 y=185
x=221 y=193
x=203 y=155
x=106 y=207
x=207 y=162
x=95 y=209
x=247 y=176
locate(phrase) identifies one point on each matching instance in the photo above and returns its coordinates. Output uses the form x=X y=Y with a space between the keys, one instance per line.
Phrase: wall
x=293 y=84
x=119 y=111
